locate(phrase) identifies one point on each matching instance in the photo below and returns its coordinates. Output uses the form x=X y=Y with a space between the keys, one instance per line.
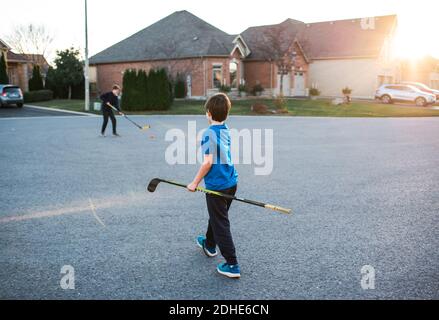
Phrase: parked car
x=11 y=95
x=424 y=88
x=389 y=93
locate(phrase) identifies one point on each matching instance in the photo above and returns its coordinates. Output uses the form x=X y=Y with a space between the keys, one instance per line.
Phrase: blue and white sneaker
x=229 y=270
x=210 y=252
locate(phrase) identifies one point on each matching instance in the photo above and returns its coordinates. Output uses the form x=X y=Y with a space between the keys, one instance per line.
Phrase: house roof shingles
x=259 y=39
x=345 y=38
x=179 y=35
x=184 y=35
x=15 y=57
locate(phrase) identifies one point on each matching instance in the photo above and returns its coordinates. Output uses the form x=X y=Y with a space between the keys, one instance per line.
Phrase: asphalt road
x=26 y=111
x=363 y=192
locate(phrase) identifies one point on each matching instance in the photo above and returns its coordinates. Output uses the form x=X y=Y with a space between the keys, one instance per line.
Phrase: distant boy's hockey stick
x=126 y=117
x=155 y=182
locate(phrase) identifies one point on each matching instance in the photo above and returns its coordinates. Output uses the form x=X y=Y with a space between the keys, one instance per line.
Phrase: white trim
x=237 y=47
x=5 y=44
x=60 y=110
x=246 y=49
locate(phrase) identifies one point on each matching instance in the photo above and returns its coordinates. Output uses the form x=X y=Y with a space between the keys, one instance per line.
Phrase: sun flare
x=415 y=35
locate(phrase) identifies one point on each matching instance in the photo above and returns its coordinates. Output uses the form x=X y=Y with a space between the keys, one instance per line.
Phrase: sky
x=113 y=20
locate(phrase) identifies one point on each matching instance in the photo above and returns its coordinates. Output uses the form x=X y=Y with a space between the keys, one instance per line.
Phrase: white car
x=424 y=88
x=388 y=93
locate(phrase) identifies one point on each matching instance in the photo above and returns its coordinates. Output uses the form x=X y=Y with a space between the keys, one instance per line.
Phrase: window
x=233 y=69
x=11 y=76
x=217 y=76
x=385 y=79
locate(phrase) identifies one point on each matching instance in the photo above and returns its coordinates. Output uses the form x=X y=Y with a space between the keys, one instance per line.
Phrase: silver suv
x=388 y=93
x=10 y=94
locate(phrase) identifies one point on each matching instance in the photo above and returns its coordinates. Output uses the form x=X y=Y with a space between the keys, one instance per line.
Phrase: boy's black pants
x=218 y=231
x=108 y=113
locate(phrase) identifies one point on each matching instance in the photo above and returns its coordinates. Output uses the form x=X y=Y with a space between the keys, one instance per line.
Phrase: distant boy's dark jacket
x=109 y=97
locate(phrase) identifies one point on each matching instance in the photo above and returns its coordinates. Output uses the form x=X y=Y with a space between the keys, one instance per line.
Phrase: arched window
x=233 y=70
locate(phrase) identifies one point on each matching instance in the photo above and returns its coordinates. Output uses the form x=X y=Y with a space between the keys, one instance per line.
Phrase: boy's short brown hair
x=116 y=87
x=219 y=106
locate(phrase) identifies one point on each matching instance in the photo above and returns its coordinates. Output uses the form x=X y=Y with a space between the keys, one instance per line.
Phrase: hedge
x=142 y=91
x=36 y=96
x=36 y=82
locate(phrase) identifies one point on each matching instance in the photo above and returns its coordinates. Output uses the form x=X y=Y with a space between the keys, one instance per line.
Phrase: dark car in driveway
x=11 y=95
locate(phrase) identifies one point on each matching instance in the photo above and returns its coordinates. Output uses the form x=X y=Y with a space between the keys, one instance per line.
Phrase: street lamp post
x=86 y=69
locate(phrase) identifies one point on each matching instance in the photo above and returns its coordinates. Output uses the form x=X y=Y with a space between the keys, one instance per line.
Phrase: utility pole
x=87 y=67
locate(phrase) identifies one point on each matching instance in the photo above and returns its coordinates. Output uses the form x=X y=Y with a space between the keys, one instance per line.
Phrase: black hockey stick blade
x=153 y=184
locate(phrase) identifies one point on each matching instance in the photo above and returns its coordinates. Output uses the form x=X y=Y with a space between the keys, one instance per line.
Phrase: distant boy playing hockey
x=109 y=100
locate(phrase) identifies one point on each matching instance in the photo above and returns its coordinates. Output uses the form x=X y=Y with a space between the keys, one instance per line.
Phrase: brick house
x=327 y=55
x=17 y=66
x=20 y=66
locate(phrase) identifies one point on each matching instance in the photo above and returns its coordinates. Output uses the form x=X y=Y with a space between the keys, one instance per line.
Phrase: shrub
x=259 y=108
x=225 y=88
x=128 y=83
x=314 y=92
x=280 y=102
x=142 y=87
x=36 y=82
x=242 y=88
x=164 y=91
x=36 y=96
x=3 y=72
x=346 y=91
x=142 y=91
x=159 y=90
x=257 y=89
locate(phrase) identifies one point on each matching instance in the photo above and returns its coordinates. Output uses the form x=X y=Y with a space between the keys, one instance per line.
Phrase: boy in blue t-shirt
x=220 y=175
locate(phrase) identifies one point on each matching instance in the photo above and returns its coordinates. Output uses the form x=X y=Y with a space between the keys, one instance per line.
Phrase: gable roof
x=179 y=35
x=259 y=38
x=346 y=38
x=15 y=57
x=325 y=40
x=184 y=35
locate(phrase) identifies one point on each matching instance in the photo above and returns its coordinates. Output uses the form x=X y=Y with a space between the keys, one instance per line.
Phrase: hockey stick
x=126 y=117
x=155 y=182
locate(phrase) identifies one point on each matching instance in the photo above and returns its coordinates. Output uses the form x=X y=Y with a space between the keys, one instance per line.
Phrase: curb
x=60 y=110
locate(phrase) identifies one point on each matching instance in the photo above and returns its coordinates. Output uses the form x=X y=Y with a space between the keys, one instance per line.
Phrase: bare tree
x=31 y=39
x=276 y=45
x=174 y=65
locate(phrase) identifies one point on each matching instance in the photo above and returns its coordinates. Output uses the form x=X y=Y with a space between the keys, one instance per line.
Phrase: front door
x=285 y=85
x=299 y=84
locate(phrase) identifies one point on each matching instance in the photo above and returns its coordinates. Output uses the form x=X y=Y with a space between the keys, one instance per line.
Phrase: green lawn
x=316 y=108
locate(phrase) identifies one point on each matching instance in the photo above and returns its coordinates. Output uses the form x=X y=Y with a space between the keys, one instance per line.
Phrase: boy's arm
x=204 y=169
